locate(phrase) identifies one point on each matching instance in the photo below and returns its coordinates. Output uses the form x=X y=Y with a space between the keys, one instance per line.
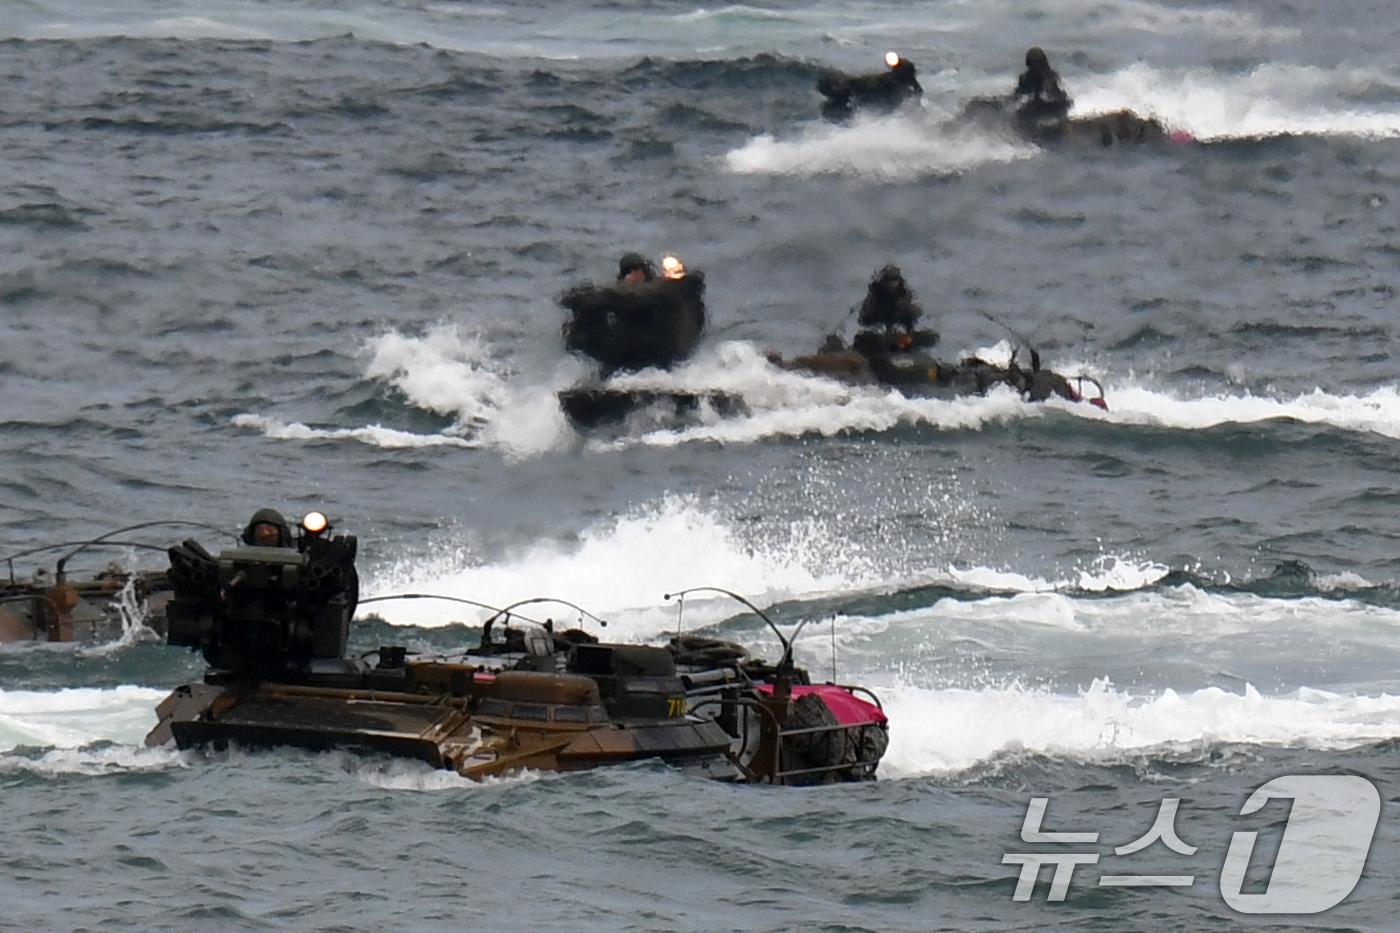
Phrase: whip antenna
x=833 y=649
x=497 y=611
x=786 y=640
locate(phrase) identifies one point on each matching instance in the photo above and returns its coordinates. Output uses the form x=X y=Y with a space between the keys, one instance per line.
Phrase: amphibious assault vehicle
x=273 y=623
x=68 y=606
x=1034 y=124
x=889 y=350
x=643 y=321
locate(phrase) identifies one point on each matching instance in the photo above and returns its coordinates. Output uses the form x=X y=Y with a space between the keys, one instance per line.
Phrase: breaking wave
x=937 y=731
x=78 y=717
x=621 y=569
x=947 y=731
x=491 y=408
x=959 y=676
x=883 y=148
x=1269 y=100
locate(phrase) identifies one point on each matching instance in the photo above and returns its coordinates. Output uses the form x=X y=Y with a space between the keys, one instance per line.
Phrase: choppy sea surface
x=309 y=255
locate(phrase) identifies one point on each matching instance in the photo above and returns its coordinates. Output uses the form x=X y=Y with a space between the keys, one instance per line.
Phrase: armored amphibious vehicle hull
x=636 y=326
x=632 y=326
x=1086 y=131
x=72 y=608
x=878 y=92
x=488 y=724
x=473 y=716
x=591 y=406
x=913 y=372
x=273 y=623
x=918 y=374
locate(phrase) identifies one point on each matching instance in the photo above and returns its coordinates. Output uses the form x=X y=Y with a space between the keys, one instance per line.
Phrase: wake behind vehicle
x=273 y=623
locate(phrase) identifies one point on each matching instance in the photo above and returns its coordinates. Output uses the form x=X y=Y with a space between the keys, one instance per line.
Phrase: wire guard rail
x=777 y=774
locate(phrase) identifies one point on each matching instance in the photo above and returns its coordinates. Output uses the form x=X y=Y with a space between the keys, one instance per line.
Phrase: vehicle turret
x=256 y=612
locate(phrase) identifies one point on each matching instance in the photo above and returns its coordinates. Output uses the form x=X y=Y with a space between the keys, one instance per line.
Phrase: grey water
x=310 y=256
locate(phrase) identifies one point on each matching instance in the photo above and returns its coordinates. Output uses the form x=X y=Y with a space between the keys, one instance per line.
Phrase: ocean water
x=309 y=255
